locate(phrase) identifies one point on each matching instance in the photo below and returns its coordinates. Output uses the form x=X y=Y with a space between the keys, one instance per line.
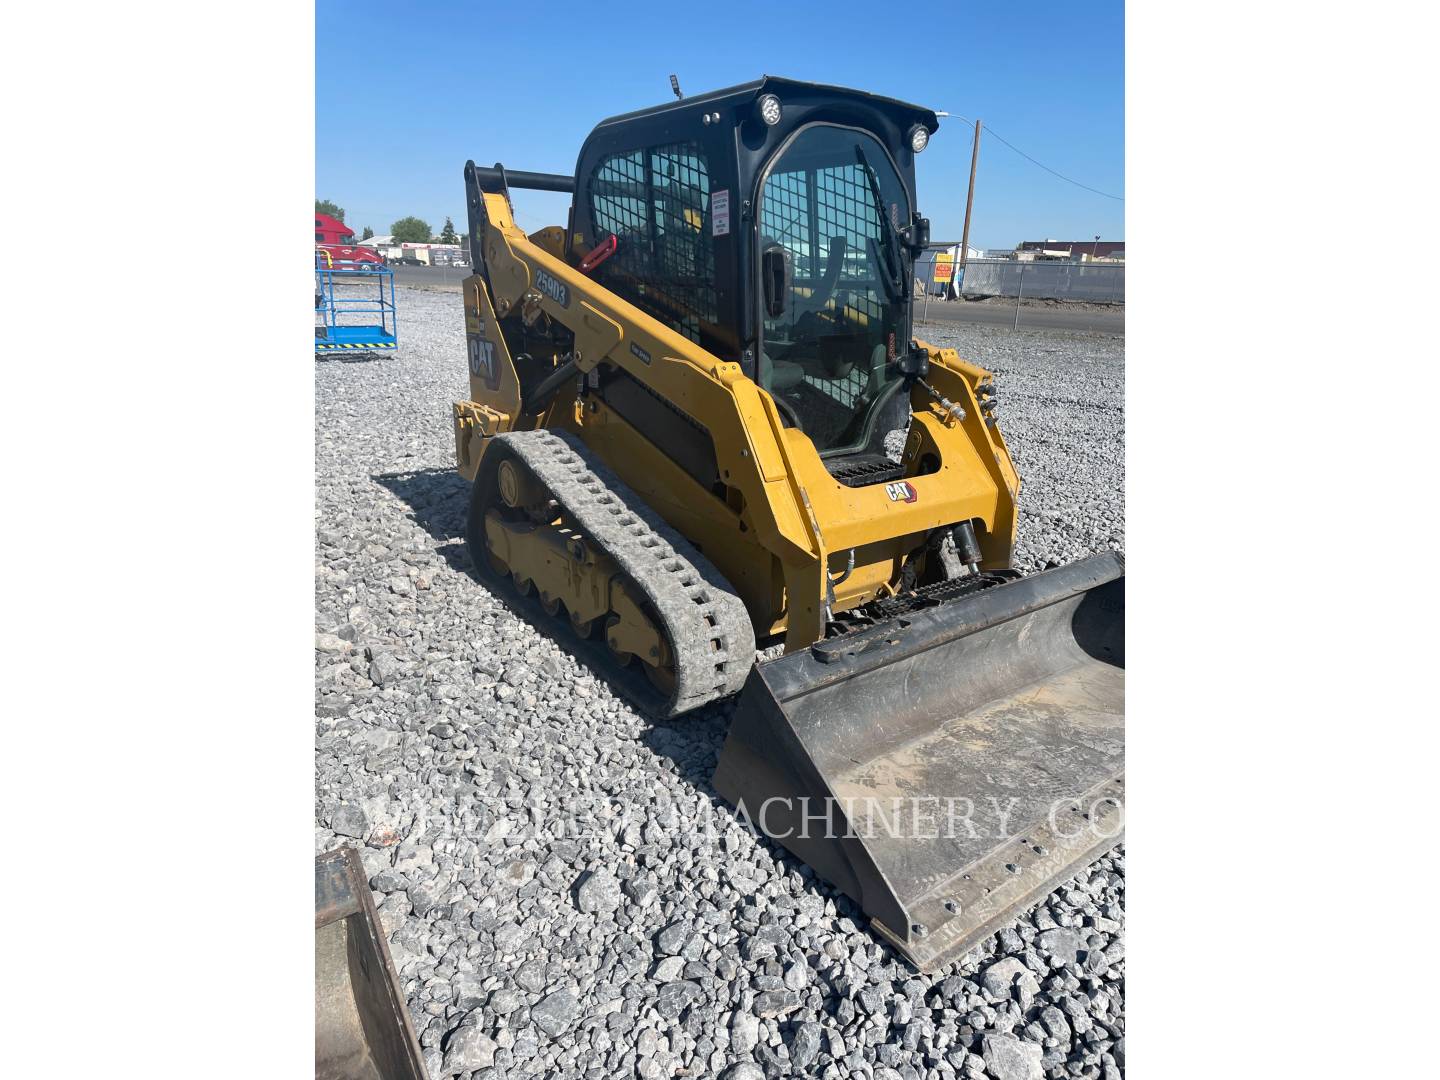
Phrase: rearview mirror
x=775 y=279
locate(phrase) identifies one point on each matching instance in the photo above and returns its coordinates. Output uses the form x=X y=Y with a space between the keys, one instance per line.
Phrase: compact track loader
x=698 y=423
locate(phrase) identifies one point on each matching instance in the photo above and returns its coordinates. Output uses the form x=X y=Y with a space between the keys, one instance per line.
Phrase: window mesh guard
x=805 y=210
x=665 y=260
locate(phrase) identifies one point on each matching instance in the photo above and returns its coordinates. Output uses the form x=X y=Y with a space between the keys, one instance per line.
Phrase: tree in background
x=325 y=206
x=368 y=233
x=447 y=234
x=410 y=230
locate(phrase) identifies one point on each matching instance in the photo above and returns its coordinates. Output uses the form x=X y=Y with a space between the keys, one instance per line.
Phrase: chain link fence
x=1098 y=283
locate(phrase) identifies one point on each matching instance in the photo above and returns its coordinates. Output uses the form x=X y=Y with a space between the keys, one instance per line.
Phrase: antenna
x=675 y=85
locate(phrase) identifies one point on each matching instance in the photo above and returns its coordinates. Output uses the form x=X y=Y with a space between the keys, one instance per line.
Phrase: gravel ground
x=565 y=894
x=1048 y=302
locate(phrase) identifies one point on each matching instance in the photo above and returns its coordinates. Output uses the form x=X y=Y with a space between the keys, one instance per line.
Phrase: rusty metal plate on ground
x=362 y=1028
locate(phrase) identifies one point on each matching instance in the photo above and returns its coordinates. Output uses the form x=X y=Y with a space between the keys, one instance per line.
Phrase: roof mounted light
x=769 y=109
x=919 y=138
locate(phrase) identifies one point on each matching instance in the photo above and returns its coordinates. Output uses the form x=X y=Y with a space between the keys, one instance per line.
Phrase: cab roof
x=773 y=84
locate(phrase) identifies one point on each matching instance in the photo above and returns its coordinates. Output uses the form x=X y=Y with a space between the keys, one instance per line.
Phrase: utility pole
x=969 y=201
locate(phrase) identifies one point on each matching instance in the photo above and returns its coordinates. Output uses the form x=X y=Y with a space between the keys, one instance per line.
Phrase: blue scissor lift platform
x=354 y=306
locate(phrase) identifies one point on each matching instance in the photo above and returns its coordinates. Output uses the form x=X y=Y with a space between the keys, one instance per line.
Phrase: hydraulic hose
x=540 y=395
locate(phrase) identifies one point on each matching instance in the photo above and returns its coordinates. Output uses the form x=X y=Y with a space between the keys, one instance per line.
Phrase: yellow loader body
x=785 y=522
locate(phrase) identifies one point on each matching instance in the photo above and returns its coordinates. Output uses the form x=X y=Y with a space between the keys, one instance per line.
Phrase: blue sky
x=525 y=85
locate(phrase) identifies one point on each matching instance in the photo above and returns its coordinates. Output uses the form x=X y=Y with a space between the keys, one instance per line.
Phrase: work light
x=770 y=109
x=919 y=138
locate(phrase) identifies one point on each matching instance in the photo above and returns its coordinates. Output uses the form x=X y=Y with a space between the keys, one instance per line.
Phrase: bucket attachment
x=361 y=1027
x=948 y=767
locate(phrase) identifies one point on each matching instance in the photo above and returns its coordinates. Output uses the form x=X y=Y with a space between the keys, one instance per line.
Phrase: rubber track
x=707 y=624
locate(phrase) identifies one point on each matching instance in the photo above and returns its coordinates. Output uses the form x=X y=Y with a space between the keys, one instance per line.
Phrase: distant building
x=385 y=245
x=1073 y=250
x=329 y=230
x=970 y=252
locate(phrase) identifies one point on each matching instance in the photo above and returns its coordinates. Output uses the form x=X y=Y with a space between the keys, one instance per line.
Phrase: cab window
x=833 y=309
x=656 y=201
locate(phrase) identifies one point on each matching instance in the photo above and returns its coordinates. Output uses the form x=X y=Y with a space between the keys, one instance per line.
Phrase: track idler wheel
x=514 y=483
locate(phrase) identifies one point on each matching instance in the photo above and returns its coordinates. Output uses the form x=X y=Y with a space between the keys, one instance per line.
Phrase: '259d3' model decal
x=482 y=360
x=901 y=491
x=552 y=287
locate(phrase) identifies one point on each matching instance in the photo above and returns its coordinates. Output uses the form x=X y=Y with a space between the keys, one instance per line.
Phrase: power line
x=1052 y=172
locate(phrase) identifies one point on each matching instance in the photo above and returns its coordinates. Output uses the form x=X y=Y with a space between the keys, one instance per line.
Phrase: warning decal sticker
x=720 y=213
